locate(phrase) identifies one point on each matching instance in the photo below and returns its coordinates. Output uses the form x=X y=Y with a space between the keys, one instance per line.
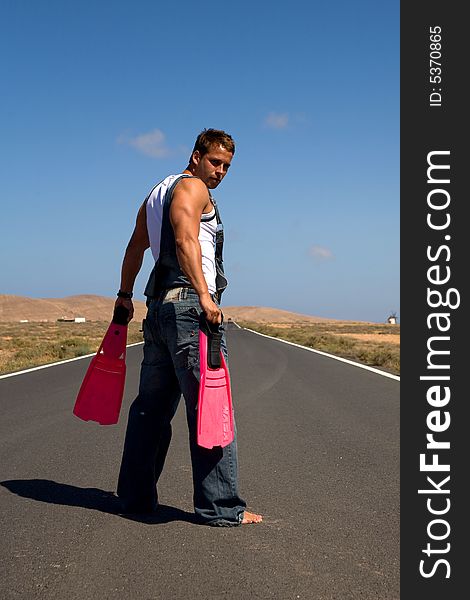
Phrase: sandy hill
x=262 y=314
x=100 y=308
x=93 y=308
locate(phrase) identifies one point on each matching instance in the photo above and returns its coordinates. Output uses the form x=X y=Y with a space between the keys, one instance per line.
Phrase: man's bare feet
x=249 y=517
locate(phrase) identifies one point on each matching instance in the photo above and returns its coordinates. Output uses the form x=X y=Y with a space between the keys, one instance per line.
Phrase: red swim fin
x=100 y=395
x=214 y=408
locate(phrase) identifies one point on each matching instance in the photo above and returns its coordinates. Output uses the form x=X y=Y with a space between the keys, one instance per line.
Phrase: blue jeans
x=170 y=368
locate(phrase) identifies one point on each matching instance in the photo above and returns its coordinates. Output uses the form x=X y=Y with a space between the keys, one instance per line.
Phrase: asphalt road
x=319 y=458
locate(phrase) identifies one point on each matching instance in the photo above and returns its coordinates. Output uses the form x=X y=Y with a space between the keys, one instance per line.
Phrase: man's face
x=212 y=166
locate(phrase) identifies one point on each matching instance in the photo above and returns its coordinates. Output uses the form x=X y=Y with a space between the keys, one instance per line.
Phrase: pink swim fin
x=214 y=408
x=100 y=395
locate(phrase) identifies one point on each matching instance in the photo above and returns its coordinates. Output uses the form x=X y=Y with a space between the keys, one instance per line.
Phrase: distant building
x=72 y=319
x=392 y=320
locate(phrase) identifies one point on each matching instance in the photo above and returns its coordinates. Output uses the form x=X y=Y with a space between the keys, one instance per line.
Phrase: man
x=180 y=222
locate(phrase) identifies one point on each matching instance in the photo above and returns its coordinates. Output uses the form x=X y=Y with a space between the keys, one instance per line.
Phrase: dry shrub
x=376 y=354
x=26 y=345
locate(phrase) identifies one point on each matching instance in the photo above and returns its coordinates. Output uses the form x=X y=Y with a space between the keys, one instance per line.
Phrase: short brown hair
x=211 y=137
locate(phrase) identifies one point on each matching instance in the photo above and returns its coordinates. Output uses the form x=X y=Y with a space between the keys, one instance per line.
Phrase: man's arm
x=133 y=258
x=189 y=200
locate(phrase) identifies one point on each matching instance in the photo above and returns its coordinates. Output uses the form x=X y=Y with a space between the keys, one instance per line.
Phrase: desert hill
x=262 y=314
x=100 y=308
x=93 y=308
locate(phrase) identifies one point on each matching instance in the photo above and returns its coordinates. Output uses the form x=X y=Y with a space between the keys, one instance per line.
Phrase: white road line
x=350 y=362
x=61 y=362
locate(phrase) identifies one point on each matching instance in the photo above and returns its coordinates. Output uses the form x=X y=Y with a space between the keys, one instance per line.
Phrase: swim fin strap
x=102 y=389
x=214 y=408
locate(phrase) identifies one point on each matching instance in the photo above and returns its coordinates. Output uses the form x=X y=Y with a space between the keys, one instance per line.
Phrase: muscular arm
x=189 y=200
x=133 y=258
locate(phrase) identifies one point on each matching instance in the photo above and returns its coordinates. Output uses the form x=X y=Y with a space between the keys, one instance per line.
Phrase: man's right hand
x=210 y=309
x=127 y=303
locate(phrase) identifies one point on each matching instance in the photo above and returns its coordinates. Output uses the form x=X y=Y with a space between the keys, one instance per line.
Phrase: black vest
x=167 y=273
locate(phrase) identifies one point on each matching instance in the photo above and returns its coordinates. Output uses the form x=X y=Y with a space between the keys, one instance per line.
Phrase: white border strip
x=61 y=362
x=350 y=362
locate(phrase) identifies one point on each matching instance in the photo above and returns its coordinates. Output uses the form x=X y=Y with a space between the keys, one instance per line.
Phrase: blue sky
x=103 y=99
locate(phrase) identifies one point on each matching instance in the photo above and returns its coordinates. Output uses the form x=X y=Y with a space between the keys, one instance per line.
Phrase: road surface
x=319 y=458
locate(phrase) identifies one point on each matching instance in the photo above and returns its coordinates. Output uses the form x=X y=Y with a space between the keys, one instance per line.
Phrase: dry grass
x=25 y=345
x=368 y=343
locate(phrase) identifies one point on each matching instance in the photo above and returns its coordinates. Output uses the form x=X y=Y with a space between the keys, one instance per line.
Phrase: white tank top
x=207 y=230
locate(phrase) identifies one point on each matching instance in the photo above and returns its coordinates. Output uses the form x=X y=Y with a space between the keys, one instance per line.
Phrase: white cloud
x=277 y=120
x=151 y=144
x=320 y=253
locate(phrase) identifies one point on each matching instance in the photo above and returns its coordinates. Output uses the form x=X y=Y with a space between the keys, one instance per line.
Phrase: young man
x=179 y=221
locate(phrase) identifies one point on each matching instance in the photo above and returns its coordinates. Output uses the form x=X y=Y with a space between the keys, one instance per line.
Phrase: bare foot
x=249 y=517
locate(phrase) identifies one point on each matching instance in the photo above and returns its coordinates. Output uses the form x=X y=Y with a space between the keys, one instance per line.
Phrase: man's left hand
x=127 y=303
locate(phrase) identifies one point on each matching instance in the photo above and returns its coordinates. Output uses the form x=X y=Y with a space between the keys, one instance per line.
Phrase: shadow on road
x=45 y=490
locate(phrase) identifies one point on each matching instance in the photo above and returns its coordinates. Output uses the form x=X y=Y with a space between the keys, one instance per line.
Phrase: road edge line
x=60 y=362
x=346 y=360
